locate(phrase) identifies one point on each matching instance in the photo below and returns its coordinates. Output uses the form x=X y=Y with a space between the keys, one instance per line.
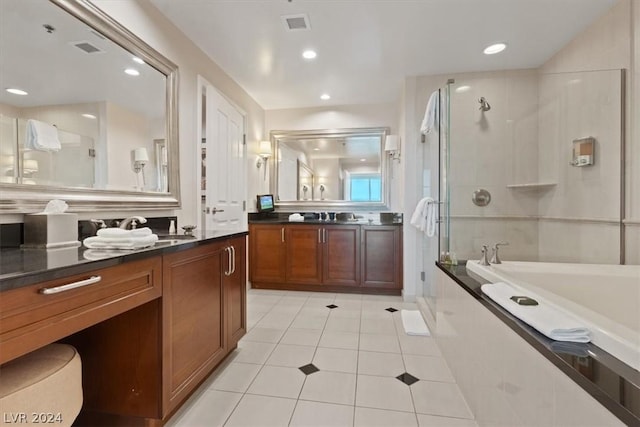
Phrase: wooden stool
x=43 y=387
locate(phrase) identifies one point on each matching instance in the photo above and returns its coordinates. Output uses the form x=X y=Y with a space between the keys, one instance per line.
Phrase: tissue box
x=53 y=230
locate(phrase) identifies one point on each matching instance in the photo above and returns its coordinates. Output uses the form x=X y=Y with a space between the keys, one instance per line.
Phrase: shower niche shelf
x=533 y=186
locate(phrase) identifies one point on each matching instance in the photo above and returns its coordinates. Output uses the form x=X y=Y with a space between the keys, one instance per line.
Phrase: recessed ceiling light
x=325 y=96
x=132 y=72
x=363 y=160
x=316 y=149
x=309 y=54
x=138 y=60
x=17 y=91
x=495 y=48
x=89 y=116
x=463 y=89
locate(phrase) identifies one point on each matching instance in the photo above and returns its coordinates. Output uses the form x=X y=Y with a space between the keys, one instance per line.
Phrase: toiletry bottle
x=172 y=227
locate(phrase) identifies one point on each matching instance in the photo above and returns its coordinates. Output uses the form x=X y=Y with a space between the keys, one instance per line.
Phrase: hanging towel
x=42 y=136
x=424 y=216
x=546 y=319
x=430 y=120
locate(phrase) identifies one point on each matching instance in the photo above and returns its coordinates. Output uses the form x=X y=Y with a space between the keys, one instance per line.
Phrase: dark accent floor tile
x=391 y=309
x=332 y=306
x=407 y=378
x=309 y=369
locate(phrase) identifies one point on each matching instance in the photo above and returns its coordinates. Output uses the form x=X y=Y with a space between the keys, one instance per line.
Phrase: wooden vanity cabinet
x=327 y=257
x=204 y=300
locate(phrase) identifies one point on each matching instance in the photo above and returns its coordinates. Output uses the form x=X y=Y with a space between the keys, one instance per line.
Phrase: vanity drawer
x=37 y=315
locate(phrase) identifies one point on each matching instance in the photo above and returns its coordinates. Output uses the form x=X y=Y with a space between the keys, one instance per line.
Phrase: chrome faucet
x=485 y=251
x=131 y=222
x=495 y=259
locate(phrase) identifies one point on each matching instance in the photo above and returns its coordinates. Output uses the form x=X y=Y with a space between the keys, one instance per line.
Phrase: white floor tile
x=264 y=335
x=308 y=337
x=292 y=356
x=276 y=320
x=212 y=408
x=252 y=352
x=383 y=393
x=367 y=417
x=308 y=322
x=342 y=324
x=428 y=368
x=384 y=326
x=336 y=360
x=345 y=340
x=316 y=414
x=278 y=381
x=434 y=421
x=261 y=411
x=436 y=398
x=379 y=343
x=235 y=377
x=330 y=387
x=345 y=313
x=382 y=364
x=420 y=346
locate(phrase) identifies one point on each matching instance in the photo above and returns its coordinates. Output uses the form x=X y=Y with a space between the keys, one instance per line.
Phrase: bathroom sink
x=164 y=237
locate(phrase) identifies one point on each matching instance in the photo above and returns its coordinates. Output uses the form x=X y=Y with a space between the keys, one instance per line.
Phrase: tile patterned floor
x=319 y=359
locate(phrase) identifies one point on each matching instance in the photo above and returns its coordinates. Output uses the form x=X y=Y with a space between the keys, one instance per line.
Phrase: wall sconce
x=140 y=159
x=392 y=146
x=322 y=188
x=264 y=153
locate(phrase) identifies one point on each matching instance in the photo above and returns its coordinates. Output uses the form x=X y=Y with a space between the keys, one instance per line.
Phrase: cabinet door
x=193 y=318
x=267 y=253
x=341 y=247
x=235 y=289
x=304 y=254
x=382 y=257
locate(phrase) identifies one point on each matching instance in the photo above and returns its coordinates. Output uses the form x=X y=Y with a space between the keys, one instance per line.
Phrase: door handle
x=324 y=235
x=282 y=234
x=69 y=286
x=216 y=210
x=233 y=258
x=319 y=231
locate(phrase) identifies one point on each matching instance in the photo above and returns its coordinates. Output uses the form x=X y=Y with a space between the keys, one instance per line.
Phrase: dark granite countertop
x=321 y=222
x=23 y=267
x=616 y=385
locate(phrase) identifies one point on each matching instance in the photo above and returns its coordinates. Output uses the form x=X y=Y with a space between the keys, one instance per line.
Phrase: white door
x=225 y=188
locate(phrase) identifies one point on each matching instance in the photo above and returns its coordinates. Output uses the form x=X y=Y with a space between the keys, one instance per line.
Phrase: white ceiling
x=367 y=47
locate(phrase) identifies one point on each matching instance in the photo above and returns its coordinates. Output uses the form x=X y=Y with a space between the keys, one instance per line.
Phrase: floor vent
x=296 y=22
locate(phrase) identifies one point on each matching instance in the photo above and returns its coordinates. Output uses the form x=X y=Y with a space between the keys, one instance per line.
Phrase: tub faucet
x=495 y=259
x=130 y=222
x=485 y=251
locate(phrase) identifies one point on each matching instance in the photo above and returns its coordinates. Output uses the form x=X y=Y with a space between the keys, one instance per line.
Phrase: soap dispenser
x=172 y=227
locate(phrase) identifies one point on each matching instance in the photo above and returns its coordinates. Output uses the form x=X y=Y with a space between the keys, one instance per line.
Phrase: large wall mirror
x=335 y=168
x=91 y=117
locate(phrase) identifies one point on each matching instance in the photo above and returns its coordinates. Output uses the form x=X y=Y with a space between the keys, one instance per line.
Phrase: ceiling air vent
x=296 y=22
x=87 y=47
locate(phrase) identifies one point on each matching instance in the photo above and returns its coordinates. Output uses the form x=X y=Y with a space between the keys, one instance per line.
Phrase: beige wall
x=150 y=25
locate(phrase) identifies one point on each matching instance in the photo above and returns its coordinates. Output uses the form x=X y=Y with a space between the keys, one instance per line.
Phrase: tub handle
x=495 y=259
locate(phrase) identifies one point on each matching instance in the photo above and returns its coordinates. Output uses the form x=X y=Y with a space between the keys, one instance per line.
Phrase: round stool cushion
x=42 y=387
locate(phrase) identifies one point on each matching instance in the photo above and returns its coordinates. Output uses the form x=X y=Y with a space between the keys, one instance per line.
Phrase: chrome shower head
x=484 y=105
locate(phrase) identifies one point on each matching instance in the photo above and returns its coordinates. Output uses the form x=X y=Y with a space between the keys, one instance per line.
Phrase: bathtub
x=605 y=297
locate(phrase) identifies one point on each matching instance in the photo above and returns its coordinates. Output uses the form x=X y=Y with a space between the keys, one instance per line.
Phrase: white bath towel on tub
x=548 y=320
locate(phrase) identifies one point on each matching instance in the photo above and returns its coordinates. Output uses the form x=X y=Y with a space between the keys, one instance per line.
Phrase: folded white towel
x=548 y=320
x=430 y=120
x=42 y=136
x=122 y=233
x=424 y=216
x=99 y=242
x=296 y=217
x=413 y=323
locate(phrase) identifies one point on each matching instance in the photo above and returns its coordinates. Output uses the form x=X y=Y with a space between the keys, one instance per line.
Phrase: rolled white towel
x=116 y=232
x=546 y=319
x=98 y=242
x=296 y=217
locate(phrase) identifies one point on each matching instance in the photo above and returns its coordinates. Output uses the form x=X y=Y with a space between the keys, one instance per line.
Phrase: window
x=366 y=188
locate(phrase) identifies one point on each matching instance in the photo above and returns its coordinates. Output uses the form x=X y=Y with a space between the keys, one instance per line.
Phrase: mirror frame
x=330 y=133
x=32 y=198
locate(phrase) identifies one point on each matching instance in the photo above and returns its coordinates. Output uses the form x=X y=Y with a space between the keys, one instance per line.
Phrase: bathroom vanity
x=149 y=325
x=333 y=256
